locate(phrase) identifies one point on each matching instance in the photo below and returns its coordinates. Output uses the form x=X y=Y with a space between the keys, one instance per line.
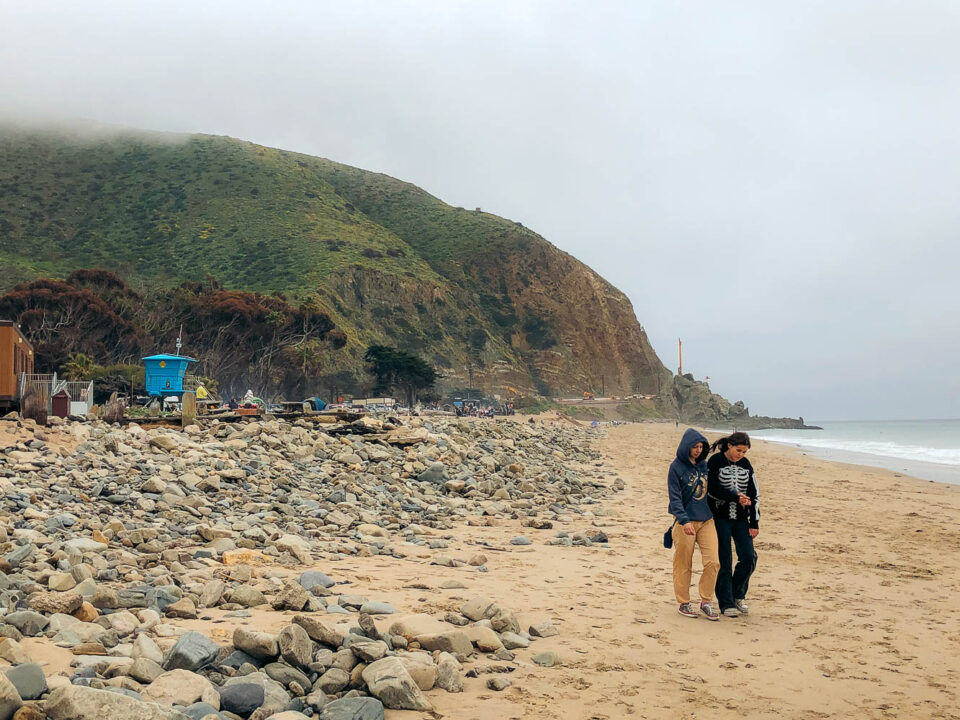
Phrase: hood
x=689 y=439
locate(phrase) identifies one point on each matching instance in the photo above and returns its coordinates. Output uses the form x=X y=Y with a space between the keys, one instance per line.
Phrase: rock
x=512 y=641
x=29 y=623
x=479 y=608
x=485 y=639
x=164 y=442
x=435 y=474
x=184 y=609
x=505 y=621
x=332 y=681
x=12 y=652
x=455 y=642
x=86 y=612
x=28 y=679
x=448 y=673
x=296 y=546
x=145 y=647
x=258 y=644
x=275 y=695
x=388 y=680
x=242 y=698
x=145 y=670
x=377 y=608
x=295 y=646
x=520 y=540
x=176 y=687
x=421 y=669
x=319 y=631
x=410 y=626
x=246 y=595
x=357 y=708
x=369 y=650
x=293 y=596
x=10 y=700
x=547 y=658
x=85 y=545
x=498 y=683
x=192 y=651
x=200 y=710
x=543 y=630
x=29 y=712
x=61 y=582
x=75 y=702
x=314 y=578
x=211 y=594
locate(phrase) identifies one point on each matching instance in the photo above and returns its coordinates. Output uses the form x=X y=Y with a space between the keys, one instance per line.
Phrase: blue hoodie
x=687 y=482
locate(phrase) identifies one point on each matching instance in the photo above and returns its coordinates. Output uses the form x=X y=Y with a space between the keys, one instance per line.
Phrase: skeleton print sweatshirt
x=725 y=481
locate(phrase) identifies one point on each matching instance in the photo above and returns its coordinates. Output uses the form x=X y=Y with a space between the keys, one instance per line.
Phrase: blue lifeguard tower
x=164 y=374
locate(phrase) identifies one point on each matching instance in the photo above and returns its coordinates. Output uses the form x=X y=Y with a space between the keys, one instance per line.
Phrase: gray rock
x=292 y=597
x=548 y=658
x=29 y=623
x=544 y=630
x=145 y=670
x=359 y=708
x=192 y=651
x=319 y=631
x=28 y=679
x=242 y=698
x=377 y=608
x=315 y=578
x=436 y=474
x=200 y=710
x=498 y=683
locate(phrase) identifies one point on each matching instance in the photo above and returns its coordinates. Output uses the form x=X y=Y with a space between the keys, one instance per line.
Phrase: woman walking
x=733 y=498
x=687 y=488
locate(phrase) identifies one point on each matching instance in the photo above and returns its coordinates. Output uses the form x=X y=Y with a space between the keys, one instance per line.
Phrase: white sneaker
x=731 y=612
x=742 y=606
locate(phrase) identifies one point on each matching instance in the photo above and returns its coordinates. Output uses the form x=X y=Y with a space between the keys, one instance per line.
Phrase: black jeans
x=732 y=583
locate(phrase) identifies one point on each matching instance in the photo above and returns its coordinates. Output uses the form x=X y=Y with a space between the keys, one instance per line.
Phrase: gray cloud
x=772 y=182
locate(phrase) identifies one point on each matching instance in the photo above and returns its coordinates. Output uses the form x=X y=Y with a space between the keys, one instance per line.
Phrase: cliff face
x=488 y=301
x=692 y=401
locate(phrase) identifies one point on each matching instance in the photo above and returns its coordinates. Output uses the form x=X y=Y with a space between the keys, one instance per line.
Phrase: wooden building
x=16 y=357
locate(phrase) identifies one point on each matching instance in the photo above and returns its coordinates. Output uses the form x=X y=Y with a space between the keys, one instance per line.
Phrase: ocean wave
x=941 y=456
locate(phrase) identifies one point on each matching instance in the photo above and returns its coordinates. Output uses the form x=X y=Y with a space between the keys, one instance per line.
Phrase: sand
x=855 y=601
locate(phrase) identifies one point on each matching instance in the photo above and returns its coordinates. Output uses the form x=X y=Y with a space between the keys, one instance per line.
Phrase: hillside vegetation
x=488 y=301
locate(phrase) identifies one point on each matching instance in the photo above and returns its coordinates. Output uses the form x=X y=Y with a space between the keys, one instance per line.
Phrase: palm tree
x=78 y=367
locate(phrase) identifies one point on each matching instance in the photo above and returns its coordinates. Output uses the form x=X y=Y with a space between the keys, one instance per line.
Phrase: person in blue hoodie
x=687 y=488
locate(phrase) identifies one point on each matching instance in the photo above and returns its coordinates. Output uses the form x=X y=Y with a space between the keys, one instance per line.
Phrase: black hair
x=737 y=438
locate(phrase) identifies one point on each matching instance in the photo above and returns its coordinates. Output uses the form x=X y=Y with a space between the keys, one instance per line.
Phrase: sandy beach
x=855 y=607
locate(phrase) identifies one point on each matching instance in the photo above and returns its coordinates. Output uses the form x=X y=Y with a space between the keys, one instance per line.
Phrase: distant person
x=687 y=488
x=233 y=404
x=733 y=497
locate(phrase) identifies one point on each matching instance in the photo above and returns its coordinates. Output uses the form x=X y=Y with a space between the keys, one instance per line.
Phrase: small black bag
x=668 y=537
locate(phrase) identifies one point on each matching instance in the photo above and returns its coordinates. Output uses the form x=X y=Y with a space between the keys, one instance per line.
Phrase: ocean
x=928 y=449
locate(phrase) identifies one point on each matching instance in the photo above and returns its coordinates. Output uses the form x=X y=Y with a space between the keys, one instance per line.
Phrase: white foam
x=941 y=456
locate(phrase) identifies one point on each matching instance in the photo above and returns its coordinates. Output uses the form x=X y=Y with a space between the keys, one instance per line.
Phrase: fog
x=773 y=183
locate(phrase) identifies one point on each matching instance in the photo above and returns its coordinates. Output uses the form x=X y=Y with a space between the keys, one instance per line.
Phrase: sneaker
x=708 y=610
x=742 y=606
x=730 y=612
x=687 y=610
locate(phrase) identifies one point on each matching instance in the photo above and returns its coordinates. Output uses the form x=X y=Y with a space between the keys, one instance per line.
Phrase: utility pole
x=680 y=353
x=603 y=385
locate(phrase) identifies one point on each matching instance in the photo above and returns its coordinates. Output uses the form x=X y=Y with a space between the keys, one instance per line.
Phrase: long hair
x=737 y=438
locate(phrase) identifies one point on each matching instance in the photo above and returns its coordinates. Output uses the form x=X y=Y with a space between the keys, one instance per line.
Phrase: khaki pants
x=706 y=538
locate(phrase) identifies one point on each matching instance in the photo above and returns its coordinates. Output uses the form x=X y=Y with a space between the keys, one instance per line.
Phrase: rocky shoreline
x=113 y=539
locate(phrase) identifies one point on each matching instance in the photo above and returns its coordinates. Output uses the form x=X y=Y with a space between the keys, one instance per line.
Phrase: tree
x=395 y=368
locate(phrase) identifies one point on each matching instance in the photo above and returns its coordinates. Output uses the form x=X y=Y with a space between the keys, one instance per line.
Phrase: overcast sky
x=774 y=182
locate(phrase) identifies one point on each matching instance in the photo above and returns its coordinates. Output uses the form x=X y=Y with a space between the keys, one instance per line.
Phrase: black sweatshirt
x=725 y=482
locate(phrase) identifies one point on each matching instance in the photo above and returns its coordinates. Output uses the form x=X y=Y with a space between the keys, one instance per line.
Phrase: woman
x=732 y=495
x=687 y=488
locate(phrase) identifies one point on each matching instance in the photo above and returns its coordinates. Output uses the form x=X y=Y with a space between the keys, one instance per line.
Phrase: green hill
x=490 y=302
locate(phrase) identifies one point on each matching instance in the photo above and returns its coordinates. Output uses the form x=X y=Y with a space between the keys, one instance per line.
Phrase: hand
x=754 y=532
x=744 y=500
x=689 y=529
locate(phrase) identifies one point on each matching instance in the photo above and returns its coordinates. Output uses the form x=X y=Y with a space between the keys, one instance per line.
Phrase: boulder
x=76 y=702
x=10 y=700
x=357 y=708
x=257 y=644
x=319 y=631
x=388 y=681
x=176 y=687
x=295 y=646
x=191 y=652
